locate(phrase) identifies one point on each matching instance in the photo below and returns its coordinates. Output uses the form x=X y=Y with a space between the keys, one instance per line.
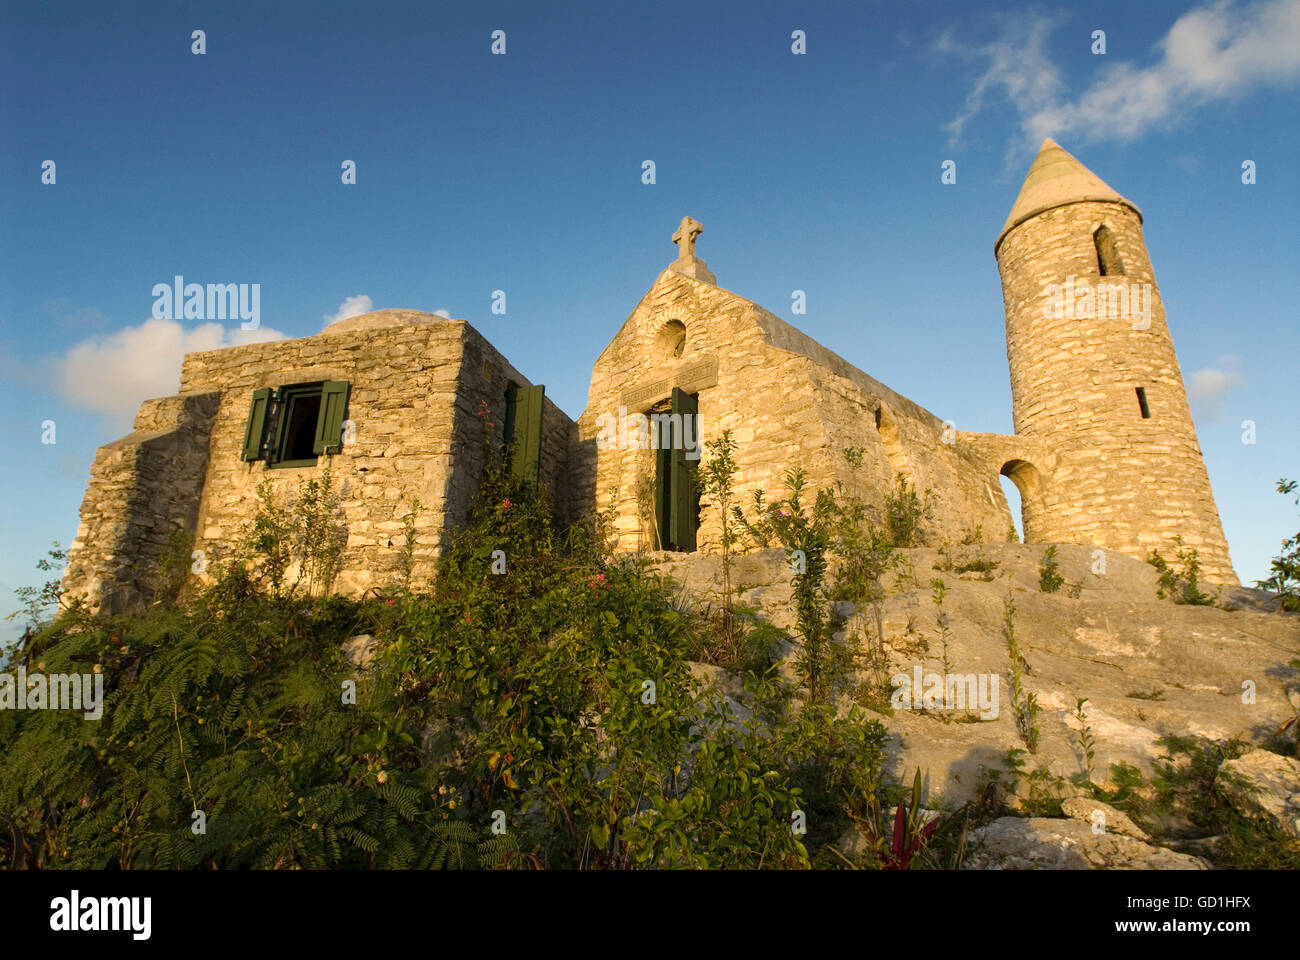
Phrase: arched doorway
x=1033 y=511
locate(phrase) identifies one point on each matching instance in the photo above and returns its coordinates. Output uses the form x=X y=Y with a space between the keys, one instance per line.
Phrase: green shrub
x=905 y=511
x=1285 y=568
x=1049 y=572
x=1181 y=584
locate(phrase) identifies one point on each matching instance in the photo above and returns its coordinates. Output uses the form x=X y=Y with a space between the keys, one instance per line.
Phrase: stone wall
x=141 y=503
x=1114 y=478
x=416 y=384
x=788 y=402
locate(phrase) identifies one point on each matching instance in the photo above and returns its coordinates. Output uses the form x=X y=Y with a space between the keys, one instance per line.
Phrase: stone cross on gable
x=685 y=237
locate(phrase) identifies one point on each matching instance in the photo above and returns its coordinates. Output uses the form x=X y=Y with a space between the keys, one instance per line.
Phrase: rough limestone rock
x=360 y=650
x=1039 y=843
x=1147 y=666
x=1269 y=788
x=1095 y=812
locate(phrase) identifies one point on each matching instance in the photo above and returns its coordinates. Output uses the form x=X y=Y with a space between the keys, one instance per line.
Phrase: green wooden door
x=677 y=494
x=683 y=493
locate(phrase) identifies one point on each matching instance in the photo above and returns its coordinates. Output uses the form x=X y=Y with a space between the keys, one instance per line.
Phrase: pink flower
x=506 y=504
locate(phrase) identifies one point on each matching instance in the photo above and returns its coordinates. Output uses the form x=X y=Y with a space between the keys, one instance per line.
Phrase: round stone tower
x=1095 y=381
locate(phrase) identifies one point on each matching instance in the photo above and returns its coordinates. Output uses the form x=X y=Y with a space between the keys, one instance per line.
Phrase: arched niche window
x=672 y=339
x=1108 y=261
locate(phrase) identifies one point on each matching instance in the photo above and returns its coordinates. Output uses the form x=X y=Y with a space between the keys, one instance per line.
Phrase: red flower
x=506 y=504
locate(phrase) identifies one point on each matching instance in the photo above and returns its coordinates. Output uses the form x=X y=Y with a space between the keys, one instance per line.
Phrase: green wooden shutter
x=681 y=481
x=526 y=428
x=256 y=427
x=329 y=424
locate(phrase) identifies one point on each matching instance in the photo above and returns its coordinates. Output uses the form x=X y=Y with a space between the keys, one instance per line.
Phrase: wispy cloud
x=1016 y=65
x=351 y=307
x=111 y=375
x=1217 y=53
x=1208 y=387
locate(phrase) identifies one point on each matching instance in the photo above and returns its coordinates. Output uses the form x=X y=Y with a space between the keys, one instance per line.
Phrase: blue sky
x=818 y=172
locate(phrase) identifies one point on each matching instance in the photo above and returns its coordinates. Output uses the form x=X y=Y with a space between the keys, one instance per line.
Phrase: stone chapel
x=395 y=402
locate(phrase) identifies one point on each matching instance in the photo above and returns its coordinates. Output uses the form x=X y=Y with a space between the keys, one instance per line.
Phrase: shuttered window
x=292 y=426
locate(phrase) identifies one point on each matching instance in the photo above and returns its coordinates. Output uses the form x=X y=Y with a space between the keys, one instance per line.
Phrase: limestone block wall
x=485 y=377
x=1118 y=480
x=143 y=490
x=416 y=386
x=898 y=436
x=788 y=401
x=402 y=401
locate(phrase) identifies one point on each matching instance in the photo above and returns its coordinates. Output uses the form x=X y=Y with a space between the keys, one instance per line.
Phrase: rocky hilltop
x=1148 y=668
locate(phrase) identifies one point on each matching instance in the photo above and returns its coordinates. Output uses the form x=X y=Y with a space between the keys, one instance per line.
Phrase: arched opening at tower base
x=1012 y=494
x=1029 y=483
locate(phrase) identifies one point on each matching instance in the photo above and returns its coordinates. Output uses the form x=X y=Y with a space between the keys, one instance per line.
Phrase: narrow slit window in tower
x=1142 y=403
x=1108 y=261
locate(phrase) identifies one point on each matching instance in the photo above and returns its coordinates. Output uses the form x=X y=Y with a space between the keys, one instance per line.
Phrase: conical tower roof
x=1056 y=178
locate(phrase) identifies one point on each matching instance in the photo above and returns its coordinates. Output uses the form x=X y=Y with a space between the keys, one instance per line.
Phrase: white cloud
x=1018 y=65
x=1207 y=388
x=351 y=307
x=442 y=313
x=1219 y=52
x=111 y=375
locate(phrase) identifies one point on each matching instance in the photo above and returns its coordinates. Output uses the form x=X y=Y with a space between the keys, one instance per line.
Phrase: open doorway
x=1028 y=483
x=1012 y=493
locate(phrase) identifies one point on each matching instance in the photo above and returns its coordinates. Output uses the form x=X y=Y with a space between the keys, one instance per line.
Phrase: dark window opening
x=300 y=427
x=1108 y=261
x=296 y=418
x=1142 y=403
